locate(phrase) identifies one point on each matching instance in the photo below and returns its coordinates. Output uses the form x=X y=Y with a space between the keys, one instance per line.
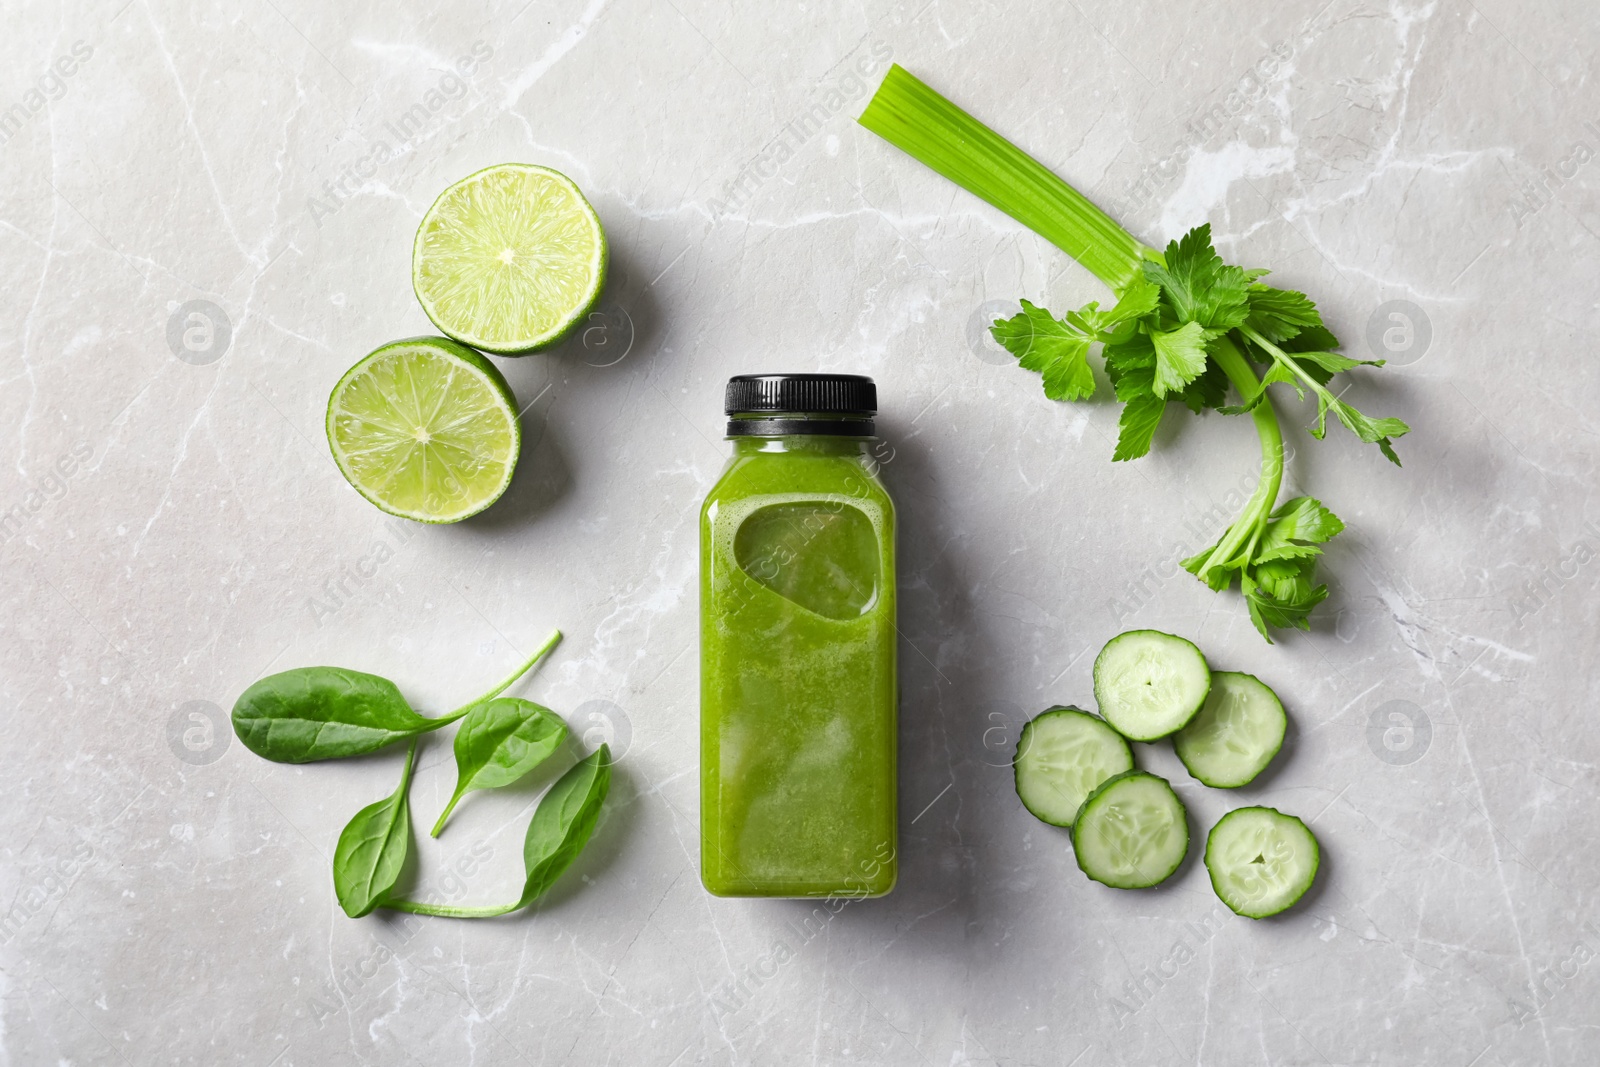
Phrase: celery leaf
x=1280 y=314
x=1198 y=285
x=1137 y=426
x=1180 y=356
x=1295 y=530
x=1058 y=350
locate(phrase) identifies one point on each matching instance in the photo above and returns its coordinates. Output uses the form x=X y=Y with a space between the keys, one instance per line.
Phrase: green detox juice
x=797 y=647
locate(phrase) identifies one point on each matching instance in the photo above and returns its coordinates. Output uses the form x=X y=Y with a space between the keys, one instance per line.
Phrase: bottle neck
x=768 y=424
x=813 y=444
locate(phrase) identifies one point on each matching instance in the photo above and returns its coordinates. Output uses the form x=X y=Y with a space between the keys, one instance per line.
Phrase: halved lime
x=426 y=429
x=509 y=259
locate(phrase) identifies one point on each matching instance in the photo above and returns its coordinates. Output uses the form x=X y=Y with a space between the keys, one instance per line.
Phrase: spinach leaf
x=373 y=847
x=499 y=742
x=563 y=822
x=315 y=713
x=560 y=827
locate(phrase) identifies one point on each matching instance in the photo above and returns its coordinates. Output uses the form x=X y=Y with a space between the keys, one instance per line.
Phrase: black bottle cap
x=791 y=404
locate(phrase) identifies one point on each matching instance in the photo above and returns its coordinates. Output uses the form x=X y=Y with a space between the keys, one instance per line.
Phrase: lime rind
x=425 y=429
x=509 y=259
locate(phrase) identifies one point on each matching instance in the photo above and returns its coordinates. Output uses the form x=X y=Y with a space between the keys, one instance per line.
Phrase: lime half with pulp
x=426 y=429
x=509 y=259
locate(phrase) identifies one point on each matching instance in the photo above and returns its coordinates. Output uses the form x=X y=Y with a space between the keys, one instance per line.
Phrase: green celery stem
x=918 y=121
x=1234 y=365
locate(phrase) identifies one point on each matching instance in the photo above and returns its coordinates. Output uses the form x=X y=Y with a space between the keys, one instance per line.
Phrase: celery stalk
x=1179 y=315
x=918 y=121
x=913 y=117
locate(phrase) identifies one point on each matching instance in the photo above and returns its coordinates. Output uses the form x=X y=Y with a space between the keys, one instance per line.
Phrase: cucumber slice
x=1261 y=860
x=1132 y=832
x=1062 y=756
x=1150 y=684
x=1236 y=734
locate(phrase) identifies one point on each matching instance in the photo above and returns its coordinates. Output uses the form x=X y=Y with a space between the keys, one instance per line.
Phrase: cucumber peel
x=1132 y=832
x=1261 y=861
x=1237 y=733
x=1063 y=755
x=1149 y=684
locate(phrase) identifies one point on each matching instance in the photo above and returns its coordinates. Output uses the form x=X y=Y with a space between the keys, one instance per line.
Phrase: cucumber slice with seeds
x=1063 y=755
x=1150 y=684
x=1236 y=734
x=1132 y=832
x=1261 y=860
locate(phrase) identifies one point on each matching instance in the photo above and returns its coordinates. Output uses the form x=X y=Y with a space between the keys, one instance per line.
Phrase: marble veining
x=209 y=211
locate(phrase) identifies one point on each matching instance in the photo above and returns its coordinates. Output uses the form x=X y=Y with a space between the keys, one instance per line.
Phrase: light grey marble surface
x=175 y=528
